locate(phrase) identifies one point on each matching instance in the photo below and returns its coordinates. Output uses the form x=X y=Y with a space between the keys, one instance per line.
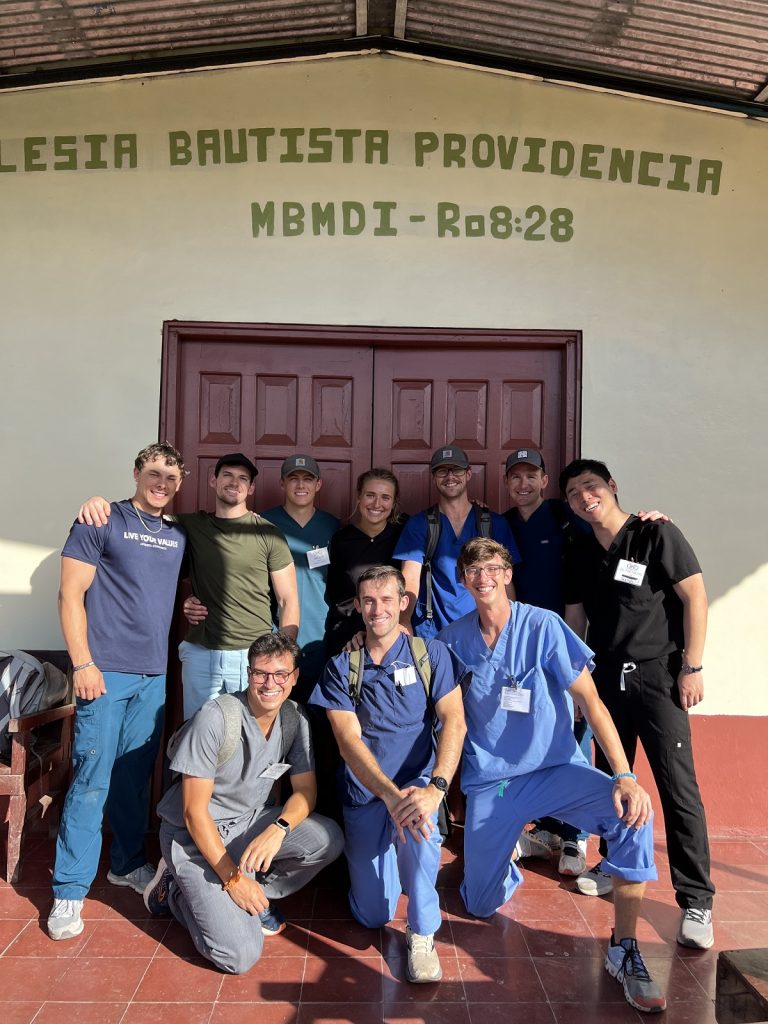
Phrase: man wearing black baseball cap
x=235 y=557
x=431 y=541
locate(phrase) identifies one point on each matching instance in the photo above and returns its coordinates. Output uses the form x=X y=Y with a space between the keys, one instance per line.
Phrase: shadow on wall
x=32 y=619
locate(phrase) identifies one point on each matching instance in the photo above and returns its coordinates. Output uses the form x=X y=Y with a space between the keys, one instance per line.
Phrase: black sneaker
x=156 y=893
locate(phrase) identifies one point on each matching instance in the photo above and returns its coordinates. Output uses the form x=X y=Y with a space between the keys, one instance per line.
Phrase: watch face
x=282 y=823
x=439 y=782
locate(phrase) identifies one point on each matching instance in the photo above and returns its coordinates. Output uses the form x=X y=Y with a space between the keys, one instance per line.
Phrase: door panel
x=270 y=401
x=488 y=400
x=356 y=397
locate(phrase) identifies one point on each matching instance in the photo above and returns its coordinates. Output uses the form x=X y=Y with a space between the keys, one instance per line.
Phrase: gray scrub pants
x=222 y=932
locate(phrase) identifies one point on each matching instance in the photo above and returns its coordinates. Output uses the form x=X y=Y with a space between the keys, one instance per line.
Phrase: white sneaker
x=551 y=839
x=138 y=879
x=529 y=845
x=595 y=882
x=696 y=928
x=64 y=920
x=423 y=962
x=573 y=858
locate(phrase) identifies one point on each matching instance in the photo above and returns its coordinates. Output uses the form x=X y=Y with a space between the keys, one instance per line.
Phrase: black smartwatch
x=439 y=783
x=283 y=824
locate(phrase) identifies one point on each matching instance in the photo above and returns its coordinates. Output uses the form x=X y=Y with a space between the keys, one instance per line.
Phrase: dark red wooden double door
x=357 y=397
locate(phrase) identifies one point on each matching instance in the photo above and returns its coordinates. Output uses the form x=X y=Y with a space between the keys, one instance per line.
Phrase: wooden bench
x=742 y=986
x=39 y=768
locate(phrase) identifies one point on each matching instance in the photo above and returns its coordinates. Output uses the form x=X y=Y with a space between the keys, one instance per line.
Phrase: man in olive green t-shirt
x=234 y=558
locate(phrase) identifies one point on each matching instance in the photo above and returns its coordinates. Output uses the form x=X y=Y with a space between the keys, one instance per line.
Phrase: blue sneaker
x=272 y=921
x=624 y=962
x=156 y=893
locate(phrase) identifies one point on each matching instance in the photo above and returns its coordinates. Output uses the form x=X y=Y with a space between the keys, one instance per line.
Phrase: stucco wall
x=665 y=284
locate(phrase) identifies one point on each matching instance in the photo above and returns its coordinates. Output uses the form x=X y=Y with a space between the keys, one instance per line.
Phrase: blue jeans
x=206 y=673
x=117 y=737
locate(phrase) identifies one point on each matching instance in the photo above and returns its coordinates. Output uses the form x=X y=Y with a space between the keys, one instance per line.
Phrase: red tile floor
x=540 y=960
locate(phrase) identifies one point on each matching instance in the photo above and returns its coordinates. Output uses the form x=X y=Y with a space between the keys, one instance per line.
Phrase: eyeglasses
x=474 y=572
x=446 y=471
x=281 y=677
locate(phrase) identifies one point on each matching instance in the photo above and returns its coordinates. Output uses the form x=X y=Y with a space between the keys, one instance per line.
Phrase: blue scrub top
x=450 y=598
x=396 y=721
x=310 y=582
x=543 y=656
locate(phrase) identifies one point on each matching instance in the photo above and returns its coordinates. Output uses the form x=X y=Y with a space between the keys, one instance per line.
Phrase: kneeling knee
x=236 y=961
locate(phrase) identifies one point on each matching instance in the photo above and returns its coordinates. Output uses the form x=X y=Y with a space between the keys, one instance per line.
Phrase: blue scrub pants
x=497 y=813
x=206 y=673
x=567 y=833
x=114 y=750
x=381 y=867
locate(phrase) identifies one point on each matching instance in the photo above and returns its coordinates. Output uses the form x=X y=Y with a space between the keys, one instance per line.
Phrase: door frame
x=178 y=332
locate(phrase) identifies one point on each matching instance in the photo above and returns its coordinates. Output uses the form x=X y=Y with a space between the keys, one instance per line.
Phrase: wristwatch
x=439 y=783
x=283 y=824
x=689 y=670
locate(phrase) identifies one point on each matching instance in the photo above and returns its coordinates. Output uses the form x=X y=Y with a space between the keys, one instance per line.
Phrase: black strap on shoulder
x=482 y=521
x=289 y=724
x=433 y=536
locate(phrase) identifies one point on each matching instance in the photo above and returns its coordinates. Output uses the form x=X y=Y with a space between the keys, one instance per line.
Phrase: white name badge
x=630 y=572
x=515 y=698
x=274 y=771
x=318 y=557
x=405 y=676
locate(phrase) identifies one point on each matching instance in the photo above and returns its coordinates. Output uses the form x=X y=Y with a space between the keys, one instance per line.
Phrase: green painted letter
x=709 y=173
x=589 y=155
x=180 y=148
x=424 y=142
x=644 y=177
x=32 y=160
x=263 y=218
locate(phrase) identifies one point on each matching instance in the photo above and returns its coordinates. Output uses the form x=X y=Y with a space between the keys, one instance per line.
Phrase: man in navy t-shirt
x=116 y=596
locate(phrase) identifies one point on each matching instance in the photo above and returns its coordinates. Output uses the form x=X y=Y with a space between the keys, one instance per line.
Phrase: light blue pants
x=497 y=813
x=381 y=867
x=206 y=673
x=115 y=745
x=223 y=933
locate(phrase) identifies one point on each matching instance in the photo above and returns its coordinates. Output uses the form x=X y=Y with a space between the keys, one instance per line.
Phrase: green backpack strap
x=232 y=709
x=420 y=657
x=355 y=675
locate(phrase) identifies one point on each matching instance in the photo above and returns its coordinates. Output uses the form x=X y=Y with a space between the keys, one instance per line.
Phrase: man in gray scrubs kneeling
x=230 y=846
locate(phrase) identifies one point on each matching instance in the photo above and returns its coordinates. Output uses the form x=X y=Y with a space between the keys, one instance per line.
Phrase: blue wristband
x=623 y=775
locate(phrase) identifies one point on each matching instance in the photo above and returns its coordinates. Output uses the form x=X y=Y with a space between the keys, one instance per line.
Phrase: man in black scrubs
x=640 y=588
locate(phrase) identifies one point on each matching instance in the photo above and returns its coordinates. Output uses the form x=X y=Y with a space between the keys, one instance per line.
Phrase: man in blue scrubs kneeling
x=521 y=760
x=395 y=777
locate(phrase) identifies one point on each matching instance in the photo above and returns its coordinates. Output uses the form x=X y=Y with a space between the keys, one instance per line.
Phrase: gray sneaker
x=423 y=963
x=595 y=882
x=64 y=920
x=138 y=879
x=624 y=962
x=529 y=845
x=696 y=928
